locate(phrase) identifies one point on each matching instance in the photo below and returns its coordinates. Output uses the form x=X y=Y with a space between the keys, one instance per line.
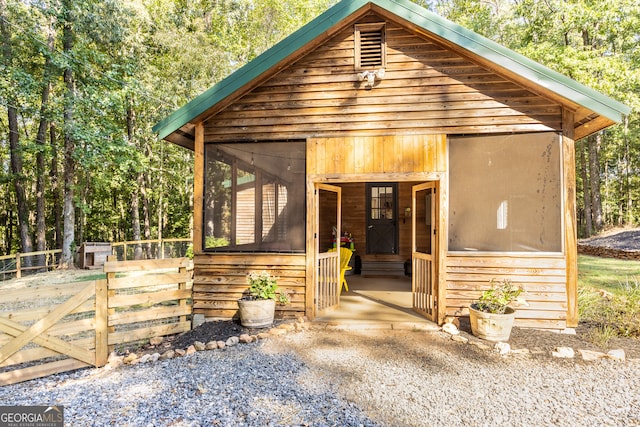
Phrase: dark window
x=254 y=197
x=370 y=46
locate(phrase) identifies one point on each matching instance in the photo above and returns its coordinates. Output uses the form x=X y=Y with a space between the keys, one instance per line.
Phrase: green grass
x=609 y=297
x=609 y=274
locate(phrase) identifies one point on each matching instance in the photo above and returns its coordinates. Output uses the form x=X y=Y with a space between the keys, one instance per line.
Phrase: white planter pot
x=491 y=326
x=257 y=313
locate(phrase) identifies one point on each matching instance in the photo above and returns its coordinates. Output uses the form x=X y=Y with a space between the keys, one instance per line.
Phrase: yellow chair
x=345 y=257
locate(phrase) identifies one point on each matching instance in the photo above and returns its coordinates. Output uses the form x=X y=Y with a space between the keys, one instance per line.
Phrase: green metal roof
x=502 y=57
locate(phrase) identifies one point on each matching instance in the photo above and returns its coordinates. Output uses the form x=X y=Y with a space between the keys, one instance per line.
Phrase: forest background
x=82 y=82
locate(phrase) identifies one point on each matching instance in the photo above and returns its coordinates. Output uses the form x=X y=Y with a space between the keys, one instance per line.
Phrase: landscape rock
x=211 y=345
x=232 y=341
x=460 y=338
x=180 y=352
x=190 y=350
x=199 y=346
x=453 y=320
x=197 y=320
x=130 y=358
x=145 y=358
x=221 y=344
x=287 y=327
x=156 y=341
x=617 y=354
x=450 y=328
x=563 y=353
x=263 y=335
x=114 y=361
x=590 y=355
x=503 y=348
x=277 y=331
x=245 y=338
x=169 y=354
x=480 y=345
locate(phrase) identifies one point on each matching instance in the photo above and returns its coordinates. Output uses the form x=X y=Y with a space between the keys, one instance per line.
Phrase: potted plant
x=257 y=309
x=492 y=317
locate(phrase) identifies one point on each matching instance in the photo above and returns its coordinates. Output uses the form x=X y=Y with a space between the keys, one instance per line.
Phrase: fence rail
x=60 y=327
x=16 y=265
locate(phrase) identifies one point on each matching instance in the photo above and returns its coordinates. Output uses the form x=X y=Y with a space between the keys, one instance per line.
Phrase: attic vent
x=370 y=46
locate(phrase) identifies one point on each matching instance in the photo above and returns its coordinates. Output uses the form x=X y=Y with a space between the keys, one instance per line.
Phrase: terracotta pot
x=491 y=326
x=256 y=313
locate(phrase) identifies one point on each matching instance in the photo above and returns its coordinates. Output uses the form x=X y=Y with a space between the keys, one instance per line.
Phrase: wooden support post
x=102 y=323
x=110 y=294
x=182 y=286
x=18 y=267
x=570 y=228
x=198 y=188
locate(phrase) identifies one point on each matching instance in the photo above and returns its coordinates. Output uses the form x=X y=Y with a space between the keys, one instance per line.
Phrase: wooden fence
x=14 y=265
x=60 y=327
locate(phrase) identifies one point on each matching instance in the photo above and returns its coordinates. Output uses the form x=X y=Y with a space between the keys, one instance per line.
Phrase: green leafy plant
x=264 y=286
x=498 y=297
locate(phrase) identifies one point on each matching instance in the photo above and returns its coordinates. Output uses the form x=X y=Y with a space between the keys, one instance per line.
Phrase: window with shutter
x=370 y=46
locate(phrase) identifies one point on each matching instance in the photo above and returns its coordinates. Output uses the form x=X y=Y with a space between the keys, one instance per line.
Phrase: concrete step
x=382 y=269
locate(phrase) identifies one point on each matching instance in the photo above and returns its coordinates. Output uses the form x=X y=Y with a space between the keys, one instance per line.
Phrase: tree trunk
x=135 y=196
x=15 y=150
x=594 y=180
x=69 y=218
x=41 y=223
x=56 y=192
x=586 y=194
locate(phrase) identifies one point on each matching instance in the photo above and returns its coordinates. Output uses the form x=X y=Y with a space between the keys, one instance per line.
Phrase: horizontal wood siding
x=542 y=277
x=221 y=279
x=426 y=89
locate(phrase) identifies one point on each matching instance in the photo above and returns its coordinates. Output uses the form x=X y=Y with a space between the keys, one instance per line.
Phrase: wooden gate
x=61 y=327
x=30 y=338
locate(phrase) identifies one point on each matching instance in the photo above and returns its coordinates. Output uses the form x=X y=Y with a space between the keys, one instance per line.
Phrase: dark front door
x=382 y=218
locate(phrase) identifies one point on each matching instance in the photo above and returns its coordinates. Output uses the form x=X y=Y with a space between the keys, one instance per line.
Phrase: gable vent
x=370 y=46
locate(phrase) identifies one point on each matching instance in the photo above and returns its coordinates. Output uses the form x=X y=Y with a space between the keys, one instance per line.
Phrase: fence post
x=110 y=293
x=161 y=248
x=102 y=323
x=18 y=267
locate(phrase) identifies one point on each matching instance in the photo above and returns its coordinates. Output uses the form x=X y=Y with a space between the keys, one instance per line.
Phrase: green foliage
x=262 y=285
x=609 y=297
x=498 y=297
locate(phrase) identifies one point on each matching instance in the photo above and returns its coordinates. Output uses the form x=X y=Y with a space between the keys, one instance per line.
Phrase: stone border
x=133 y=358
x=504 y=348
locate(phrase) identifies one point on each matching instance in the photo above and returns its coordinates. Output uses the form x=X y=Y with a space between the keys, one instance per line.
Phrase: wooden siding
x=221 y=279
x=426 y=89
x=393 y=155
x=542 y=276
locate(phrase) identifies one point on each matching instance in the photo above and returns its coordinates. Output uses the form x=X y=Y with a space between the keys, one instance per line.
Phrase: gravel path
x=345 y=378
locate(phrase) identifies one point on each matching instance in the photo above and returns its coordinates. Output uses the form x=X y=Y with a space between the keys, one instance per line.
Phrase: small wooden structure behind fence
x=60 y=327
x=16 y=265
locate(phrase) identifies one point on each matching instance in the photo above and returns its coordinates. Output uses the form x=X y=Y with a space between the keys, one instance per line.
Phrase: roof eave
x=259 y=66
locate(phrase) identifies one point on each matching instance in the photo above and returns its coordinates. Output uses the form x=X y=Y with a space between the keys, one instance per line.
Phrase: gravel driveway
x=346 y=378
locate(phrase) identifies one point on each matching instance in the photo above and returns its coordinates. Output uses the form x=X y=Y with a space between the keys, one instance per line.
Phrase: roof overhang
x=592 y=110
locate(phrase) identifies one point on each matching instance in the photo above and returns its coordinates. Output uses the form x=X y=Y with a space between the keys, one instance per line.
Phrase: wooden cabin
x=423 y=144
